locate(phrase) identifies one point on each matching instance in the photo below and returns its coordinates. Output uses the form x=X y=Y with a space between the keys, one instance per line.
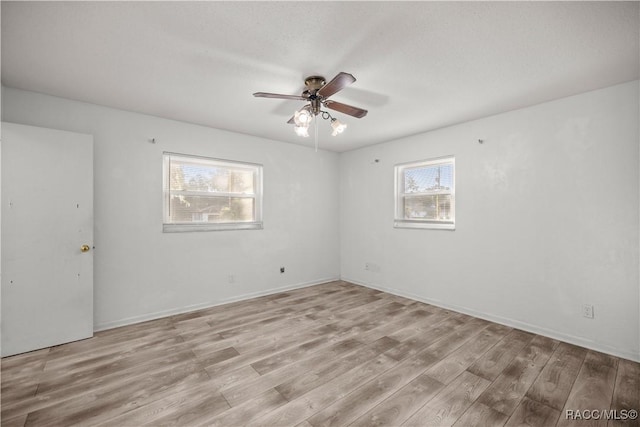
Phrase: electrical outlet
x=587 y=311
x=372 y=267
x=281 y=269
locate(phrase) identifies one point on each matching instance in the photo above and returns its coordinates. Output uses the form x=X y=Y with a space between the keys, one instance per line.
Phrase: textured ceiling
x=419 y=65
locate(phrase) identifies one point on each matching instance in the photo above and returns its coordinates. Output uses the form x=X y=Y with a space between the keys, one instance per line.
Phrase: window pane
x=241 y=181
x=207 y=209
x=428 y=178
x=432 y=207
x=176 y=177
x=207 y=194
x=425 y=194
x=193 y=176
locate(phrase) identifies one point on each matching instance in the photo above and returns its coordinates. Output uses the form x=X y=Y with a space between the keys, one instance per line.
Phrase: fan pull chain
x=315 y=126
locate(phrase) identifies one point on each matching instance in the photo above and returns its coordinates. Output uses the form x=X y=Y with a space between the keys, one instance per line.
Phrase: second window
x=425 y=194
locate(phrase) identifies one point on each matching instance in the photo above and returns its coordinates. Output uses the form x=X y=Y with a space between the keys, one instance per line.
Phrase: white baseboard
x=550 y=333
x=186 y=309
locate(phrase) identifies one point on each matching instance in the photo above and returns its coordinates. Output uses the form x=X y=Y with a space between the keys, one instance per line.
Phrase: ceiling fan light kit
x=302 y=131
x=302 y=117
x=337 y=126
x=316 y=94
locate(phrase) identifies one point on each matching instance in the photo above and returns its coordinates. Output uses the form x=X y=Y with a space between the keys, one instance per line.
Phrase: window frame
x=399 y=220
x=172 y=227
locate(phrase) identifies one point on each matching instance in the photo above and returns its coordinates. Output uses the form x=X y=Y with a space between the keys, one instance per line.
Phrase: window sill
x=185 y=228
x=425 y=225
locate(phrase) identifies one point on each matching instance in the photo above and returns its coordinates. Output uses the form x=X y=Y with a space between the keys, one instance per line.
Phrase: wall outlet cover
x=587 y=311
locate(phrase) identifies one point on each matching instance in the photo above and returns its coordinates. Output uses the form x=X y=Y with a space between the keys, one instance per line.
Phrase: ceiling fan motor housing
x=314 y=83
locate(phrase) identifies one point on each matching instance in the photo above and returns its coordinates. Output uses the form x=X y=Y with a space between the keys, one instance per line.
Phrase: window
x=203 y=194
x=425 y=194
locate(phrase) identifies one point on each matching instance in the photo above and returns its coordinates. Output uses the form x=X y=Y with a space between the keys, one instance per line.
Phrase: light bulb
x=338 y=127
x=302 y=131
x=302 y=117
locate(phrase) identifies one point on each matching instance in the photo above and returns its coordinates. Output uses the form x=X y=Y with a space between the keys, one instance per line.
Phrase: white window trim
x=399 y=220
x=179 y=227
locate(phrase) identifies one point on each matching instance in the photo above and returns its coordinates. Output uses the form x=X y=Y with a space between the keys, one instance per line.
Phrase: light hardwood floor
x=331 y=354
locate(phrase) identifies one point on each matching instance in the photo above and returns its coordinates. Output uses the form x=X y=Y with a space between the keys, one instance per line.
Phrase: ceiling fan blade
x=292 y=121
x=279 y=96
x=336 y=84
x=346 y=109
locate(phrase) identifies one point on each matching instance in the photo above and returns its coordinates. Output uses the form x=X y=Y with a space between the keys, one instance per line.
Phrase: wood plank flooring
x=334 y=354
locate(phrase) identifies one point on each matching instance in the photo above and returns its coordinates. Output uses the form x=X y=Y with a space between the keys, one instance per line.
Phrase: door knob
x=84 y=248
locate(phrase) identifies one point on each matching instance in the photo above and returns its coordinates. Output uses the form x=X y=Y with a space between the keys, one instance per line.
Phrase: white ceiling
x=419 y=65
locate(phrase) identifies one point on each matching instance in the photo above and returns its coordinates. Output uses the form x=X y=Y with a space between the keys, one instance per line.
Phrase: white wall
x=547 y=217
x=547 y=220
x=142 y=273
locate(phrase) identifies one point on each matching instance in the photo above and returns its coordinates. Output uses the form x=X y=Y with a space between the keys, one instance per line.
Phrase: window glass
x=425 y=194
x=202 y=193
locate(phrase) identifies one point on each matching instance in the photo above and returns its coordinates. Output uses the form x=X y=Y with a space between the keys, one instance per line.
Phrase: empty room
x=320 y=213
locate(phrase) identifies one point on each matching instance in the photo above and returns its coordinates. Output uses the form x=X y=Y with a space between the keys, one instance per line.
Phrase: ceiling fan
x=317 y=93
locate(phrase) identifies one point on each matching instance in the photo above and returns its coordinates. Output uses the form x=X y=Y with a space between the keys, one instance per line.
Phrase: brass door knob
x=84 y=248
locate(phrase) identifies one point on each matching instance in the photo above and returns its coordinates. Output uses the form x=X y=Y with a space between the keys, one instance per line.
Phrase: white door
x=47 y=237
